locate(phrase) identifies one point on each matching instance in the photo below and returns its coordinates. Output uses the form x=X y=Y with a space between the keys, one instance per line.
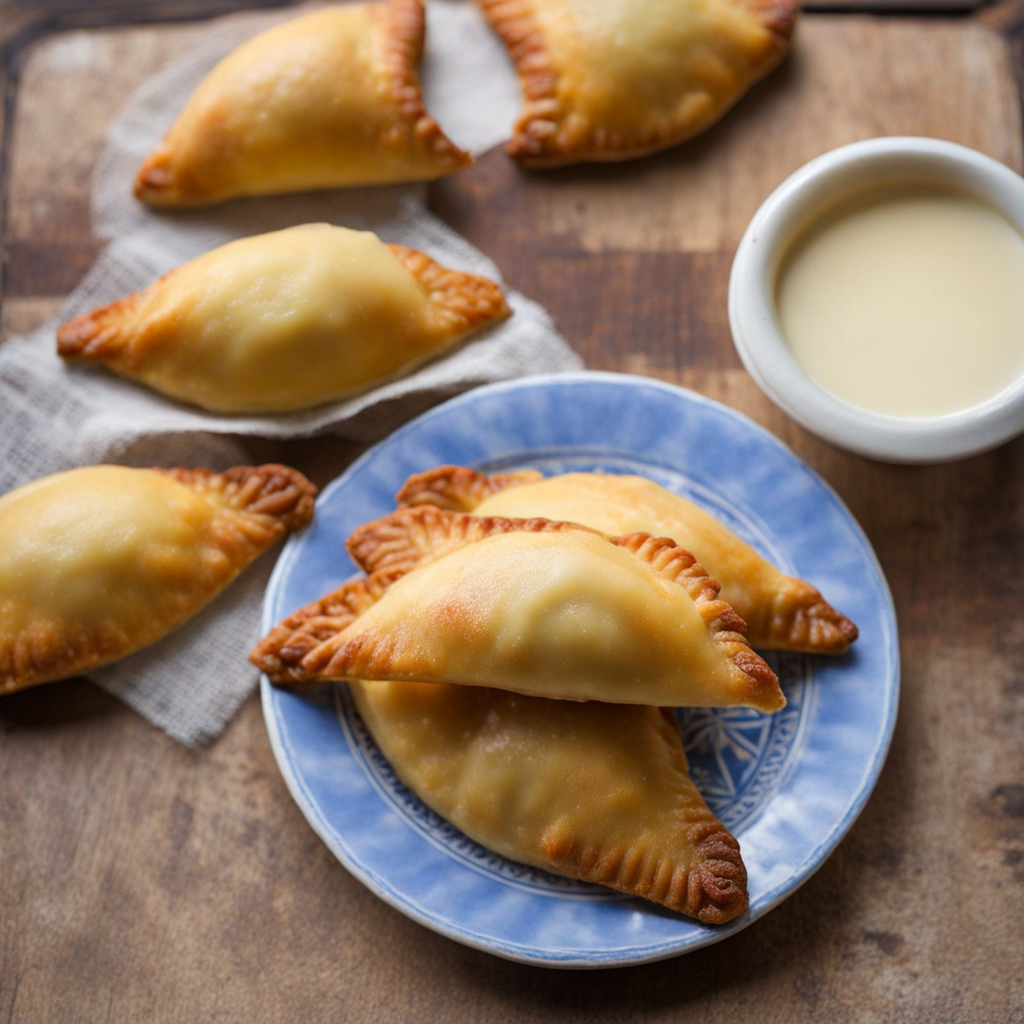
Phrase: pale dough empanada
x=614 y=79
x=99 y=562
x=285 y=321
x=543 y=608
x=331 y=99
x=594 y=791
x=782 y=613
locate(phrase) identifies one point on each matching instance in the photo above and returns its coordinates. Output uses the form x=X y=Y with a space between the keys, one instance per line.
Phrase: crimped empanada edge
x=100 y=333
x=801 y=620
x=272 y=492
x=402 y=24
x=467 y=300
x=514 y=22
x=458 y=488
x=279 y=655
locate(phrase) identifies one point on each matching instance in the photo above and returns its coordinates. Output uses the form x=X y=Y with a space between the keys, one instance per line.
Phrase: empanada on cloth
x=532 y=606
x=781 y=612
x=594 y=791
x=327 y=100
x=97 y=563
x=614 y=79
x=285 y=321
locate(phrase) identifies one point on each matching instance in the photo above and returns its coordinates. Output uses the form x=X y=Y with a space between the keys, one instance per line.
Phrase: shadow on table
x=54 y=705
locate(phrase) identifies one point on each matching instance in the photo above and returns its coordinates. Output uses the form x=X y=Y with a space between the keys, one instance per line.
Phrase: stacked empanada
x=517 y=674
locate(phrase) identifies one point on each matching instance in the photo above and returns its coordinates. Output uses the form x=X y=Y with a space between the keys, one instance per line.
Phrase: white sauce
x=907 y=300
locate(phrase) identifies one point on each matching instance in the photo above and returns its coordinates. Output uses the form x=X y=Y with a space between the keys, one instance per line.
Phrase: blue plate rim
x=579 y=958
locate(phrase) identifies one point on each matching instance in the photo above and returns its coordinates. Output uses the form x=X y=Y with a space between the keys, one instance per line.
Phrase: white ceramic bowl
x=758 y=337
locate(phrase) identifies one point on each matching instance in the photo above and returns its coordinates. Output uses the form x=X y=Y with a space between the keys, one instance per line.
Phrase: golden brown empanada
x=614 y=79
x=99 y=562
x=533 y=606
x=331 y=99
x=285 y=321
x=594 y=791
x=781 y=613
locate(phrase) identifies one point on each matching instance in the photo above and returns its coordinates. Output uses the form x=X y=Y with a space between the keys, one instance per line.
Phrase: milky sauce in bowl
x=907 y=300
x=877 y=297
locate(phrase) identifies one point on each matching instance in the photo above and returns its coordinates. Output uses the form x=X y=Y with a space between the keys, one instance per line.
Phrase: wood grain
x=145 y=882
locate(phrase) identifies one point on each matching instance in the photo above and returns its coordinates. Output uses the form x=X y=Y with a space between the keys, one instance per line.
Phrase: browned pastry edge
x=466 y=299
x=253 y=506
x=271 y=492
x=100 y=333
x=713 y=888
x=396 y=544
x=154 y=181
x=540 y=141
x=799 y=618
x=402 y=28
x=401 y=25
x=457 y=488
x=281 y=652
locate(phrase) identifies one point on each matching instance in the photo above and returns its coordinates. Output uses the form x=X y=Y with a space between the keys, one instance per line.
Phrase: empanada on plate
x=614 y=79
x=598 y=792
x=533 y=606
x=97 y=563
x=781 y=613
x=285 y=321
x=330 y=99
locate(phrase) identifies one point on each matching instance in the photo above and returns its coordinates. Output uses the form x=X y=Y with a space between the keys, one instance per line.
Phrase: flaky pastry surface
x=537 y=607
x=97 y=563
x=781 y=612
x=327 y=100
x=285 y=321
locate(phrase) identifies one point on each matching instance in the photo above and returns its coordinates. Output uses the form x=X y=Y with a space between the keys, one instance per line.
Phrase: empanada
x=285 y=321
x=331 y=99
x=594 y=791
x=614 y=79
x=99 y=562
x=533 y=606
x=781 y=613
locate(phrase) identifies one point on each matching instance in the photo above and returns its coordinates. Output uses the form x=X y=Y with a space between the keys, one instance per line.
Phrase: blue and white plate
x=788 y=786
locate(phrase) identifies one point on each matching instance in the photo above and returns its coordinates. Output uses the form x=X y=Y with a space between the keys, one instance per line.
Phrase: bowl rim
x=758 y=338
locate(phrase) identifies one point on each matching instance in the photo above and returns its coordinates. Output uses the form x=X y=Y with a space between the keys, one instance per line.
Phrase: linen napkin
x=54 y=417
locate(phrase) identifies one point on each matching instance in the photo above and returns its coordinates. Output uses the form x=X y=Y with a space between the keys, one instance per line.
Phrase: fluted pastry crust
x=781 y=612
x=622 y=78
x=534 y=606
x=97 y=563
x=593 y=791
x=285 y=321
x=327 y=100
x=457 y=488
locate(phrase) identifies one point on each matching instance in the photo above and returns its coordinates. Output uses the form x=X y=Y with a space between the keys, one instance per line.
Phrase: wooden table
x=142 y=881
